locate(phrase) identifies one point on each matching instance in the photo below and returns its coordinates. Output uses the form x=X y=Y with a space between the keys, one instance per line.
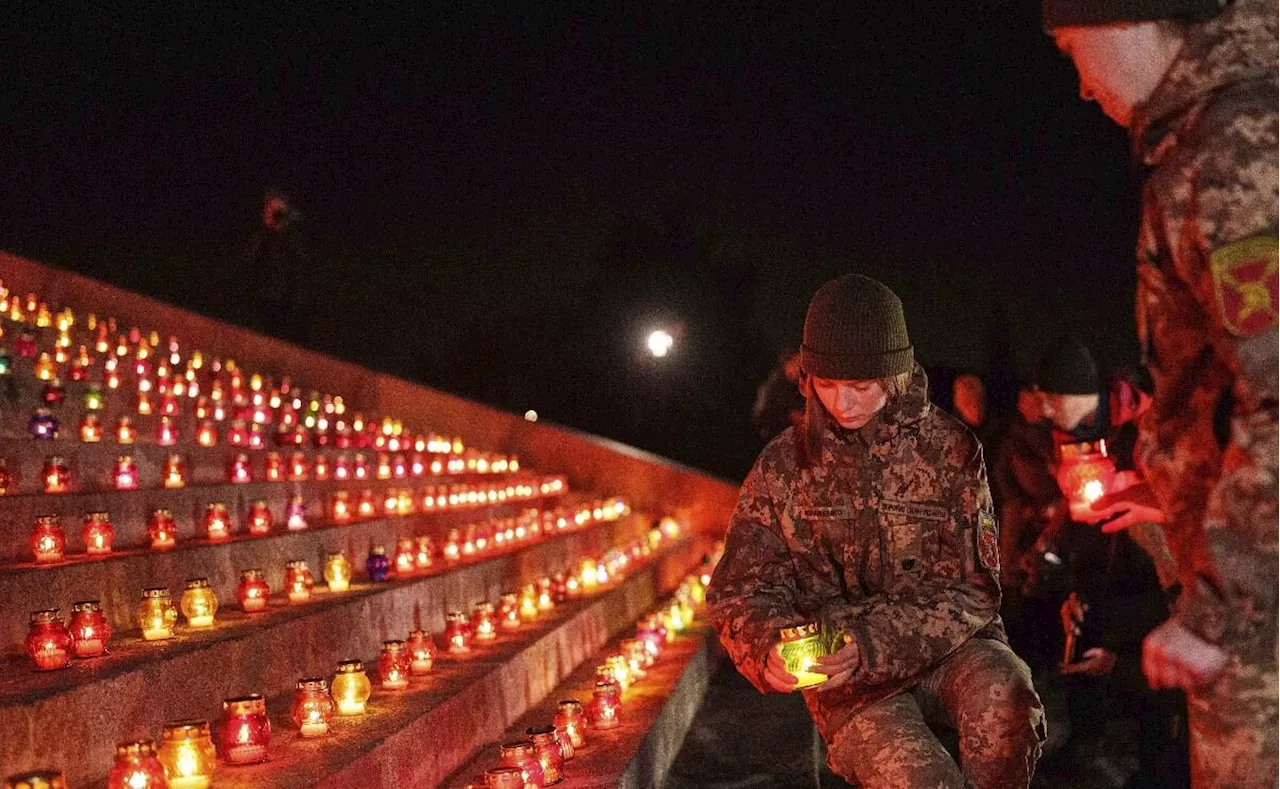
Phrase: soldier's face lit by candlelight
x=851 y=403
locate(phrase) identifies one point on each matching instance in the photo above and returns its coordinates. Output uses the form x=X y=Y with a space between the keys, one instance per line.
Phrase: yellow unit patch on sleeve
x=1244 y=283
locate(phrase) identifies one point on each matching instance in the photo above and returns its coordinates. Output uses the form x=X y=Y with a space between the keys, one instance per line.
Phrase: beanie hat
x=1073 y=13
x=855 y=330
x=1067 y=368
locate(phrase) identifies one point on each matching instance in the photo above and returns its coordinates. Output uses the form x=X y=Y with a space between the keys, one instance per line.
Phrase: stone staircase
x=434 y=504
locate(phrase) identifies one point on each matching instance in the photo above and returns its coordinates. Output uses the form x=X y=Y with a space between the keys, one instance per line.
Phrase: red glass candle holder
x=217 y=522
x=295 y=513
x=340 y=507
x=394 y=665
x=56 y=475
x=320 y=469
x=313 y=708
x=166 y=432
x=89 y=629
x=484 y=622
x=1085 y=474
x=90 y=429
x=253 y=591
x=136 y=767
x=550 y=754
x=422 y=652
x=125 y=432
x=452 y=546
x=259 y=520
x=48 y=641
x=298 y=581
x=238 y=470
x=524 y=757
x=161 y=530
x=245 y=731
x=48 y=542
x=405 y=561
x=238 y=434
x=360 y=469
x=424 y=557
x=175 y=472
x=298 y=470
x=97 y=533
x=126 y=473
x=207 y=434
x=509 y=612
x=571 y=722
x=457 y=633
x=605 y=709
x=341 y=468
x=274 y=468
x=504 y=778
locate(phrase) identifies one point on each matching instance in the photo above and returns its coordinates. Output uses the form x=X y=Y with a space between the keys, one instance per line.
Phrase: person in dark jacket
x=1116 y=596
x=779 y=403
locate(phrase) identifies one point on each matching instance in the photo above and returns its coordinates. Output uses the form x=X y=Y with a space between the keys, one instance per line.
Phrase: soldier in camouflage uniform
x=874 y=519
x=1196 y=86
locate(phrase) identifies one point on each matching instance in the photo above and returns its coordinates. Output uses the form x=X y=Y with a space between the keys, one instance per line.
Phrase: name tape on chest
x=914 y=509
x=822 y=513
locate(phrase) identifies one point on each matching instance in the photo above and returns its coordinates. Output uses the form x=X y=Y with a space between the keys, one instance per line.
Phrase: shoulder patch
x=988 y=541
x=913 y=509
x=1244 y=284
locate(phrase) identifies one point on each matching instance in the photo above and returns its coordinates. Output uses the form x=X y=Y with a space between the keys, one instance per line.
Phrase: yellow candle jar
x=40 y=779
x=198 y=603
x=188 y=755
x=337 y=572
x=351 y=688
x=157 y=614
x=801 y=646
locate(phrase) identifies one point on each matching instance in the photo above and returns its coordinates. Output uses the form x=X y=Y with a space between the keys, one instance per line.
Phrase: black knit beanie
x=1067 y=368
x=855 y=330
x=1075 y=13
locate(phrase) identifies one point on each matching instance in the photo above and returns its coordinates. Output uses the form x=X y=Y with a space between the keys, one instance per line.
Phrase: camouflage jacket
x=890 y=539
x=1206 y=308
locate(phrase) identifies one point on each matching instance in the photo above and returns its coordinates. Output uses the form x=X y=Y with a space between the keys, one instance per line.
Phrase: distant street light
x=660 y=343
x=531 y=415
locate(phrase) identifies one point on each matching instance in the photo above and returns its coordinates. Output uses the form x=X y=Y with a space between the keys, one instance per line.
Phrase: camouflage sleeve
x=753 y=590
x=1228 y=231
x=899 y=636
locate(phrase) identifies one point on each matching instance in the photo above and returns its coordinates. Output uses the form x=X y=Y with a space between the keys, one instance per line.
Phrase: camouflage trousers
x=1232 y=725
x=984 y=691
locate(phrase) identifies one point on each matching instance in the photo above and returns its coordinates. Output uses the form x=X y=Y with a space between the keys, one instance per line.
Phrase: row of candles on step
x=187 y=754
x=540 y=759
x=51 y=642
x=163 y=376
x=48 y=540
x=56 y=475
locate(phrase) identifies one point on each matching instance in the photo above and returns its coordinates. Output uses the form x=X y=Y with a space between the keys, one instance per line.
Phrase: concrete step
x=417 y=736
x=657 y=713
x=80 y=712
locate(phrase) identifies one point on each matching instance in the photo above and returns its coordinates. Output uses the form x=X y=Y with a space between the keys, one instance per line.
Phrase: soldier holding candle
x=1194 y=82
x=1114 y=579
x=873 y=521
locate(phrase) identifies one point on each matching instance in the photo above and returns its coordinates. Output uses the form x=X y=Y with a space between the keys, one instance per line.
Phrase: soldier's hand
x=776 y=674
x=839 y=667
x=1097 y=662
x=1131 y=501
x=1174 y=657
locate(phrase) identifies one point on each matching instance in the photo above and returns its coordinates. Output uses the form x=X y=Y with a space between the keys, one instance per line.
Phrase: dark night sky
x=501 y=203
